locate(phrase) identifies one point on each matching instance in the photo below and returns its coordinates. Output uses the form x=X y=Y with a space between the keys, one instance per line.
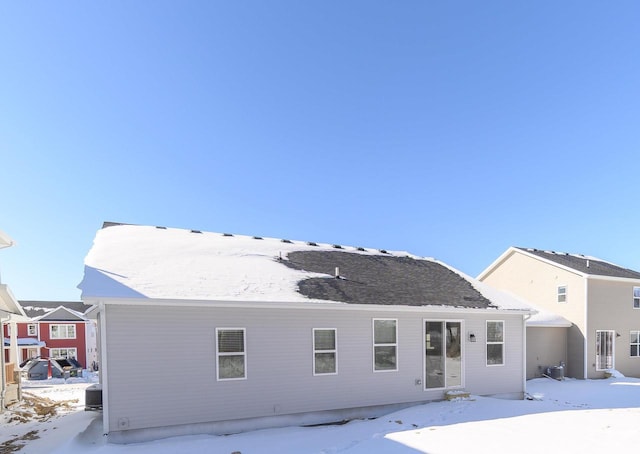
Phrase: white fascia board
x=9 y=304
x=76 y=314
x=552 y=263
x=547 y=324
x=488 y=270
x=92 y=312
x=312 y=305
x=628 y=280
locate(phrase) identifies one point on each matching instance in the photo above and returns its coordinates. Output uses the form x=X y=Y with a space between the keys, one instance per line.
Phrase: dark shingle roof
x=37 y=308
x=385 y=280
x=584 y=264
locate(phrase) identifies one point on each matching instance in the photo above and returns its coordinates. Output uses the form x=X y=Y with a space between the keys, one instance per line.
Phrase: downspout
x=524 y=352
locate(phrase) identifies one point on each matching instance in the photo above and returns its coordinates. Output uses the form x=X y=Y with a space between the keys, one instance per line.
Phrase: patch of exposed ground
x=32 y=408
x=18 y=442
x=36 y=408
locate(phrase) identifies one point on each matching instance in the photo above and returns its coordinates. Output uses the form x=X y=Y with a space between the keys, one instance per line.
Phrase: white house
x=205 y=332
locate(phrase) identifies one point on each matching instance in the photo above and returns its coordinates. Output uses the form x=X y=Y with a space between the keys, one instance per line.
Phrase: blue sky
x=447 y=129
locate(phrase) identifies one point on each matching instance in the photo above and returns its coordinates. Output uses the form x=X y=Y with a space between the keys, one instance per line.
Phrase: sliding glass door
x=443 y=354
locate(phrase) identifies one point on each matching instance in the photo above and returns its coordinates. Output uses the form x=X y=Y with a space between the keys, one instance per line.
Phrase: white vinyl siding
x=385 y=344
x=495 y=343
x=278 y=346
x=230 y=353
x=325 y=351
x=62 y=331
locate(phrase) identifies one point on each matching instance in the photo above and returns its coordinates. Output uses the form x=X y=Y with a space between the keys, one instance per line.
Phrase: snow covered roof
x=25 y=342
x=546 y=319
x=130 y=261
x=37 y=309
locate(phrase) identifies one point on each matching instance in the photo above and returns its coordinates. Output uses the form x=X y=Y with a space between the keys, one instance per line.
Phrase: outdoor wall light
x=472 y=337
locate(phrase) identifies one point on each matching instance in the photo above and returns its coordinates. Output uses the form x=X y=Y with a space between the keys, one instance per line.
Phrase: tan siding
x=611 y=308
x=545 y=347
x=537 y=282
x=161 y=363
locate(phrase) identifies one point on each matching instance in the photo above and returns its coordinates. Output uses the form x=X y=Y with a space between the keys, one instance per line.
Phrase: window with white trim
x=230 y=353
x=32 y=330
x=385 y=344
x=605 y=349
x=562 y=294
x=63 y=353
x=495 y=342
x=636 y=297
x=62 y=331
x=325 y=352
x=634 y=343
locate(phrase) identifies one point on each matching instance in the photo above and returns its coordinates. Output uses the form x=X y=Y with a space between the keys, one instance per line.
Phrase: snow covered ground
x=562 y=416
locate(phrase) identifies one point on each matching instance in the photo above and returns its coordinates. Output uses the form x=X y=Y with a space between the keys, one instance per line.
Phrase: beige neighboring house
x=600 y=299
x=10 y=313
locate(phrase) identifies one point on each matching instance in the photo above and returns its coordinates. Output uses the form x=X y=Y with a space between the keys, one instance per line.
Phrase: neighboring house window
x=562 y=294
x=325 y=352
x=63 y=353
x=605 y=349
x=634 y=343
x=636 y=297
x=32 y=330
x=231 y=354
x=495 y=343
x=385 y=344
x=62 y=331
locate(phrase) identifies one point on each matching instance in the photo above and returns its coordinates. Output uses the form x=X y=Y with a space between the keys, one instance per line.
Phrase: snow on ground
x=567 y=416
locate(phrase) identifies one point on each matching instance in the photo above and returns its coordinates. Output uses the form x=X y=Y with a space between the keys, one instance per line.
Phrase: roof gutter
x=309 y=305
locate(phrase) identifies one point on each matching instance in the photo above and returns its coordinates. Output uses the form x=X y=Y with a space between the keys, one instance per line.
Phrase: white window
x=63 y=353
x=495 y=343
x=634 y=343
x=385 y=344
x=325 y=353
x=636 y=297
x=32 y=330
x=62 y=331
x=562 y=293
x=231 y=354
